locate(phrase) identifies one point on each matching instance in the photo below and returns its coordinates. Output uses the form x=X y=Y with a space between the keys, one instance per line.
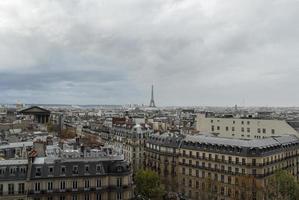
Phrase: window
x=86 y=197
x=99 y=183
x=99 y=196
x=75 y=184
x=248 y=130
x=197 y=184
x=62 y=197
x=86 y=185
x=237 y=160
x=21 y=188
x=190 y=183
x=242 y=122
x=75 y=169
x=197 y=173
x=62 y=185
x=37 y=187
x=236 y=181
x=119 y=182
x=212 y=128
x=264 y=130
x=74 y=197
x=11 y=188
x=253 y=171
x=233 y=128
x=183 y=170
x=273 y=131
x=23 y=170
x=253 y=162
x=1 y=189
x=50 y=170
x=63 y=170
x=50 y=186
x=216 y=177
x=86 y=168
x=226 y=128
x=258 y=130
x=118 y=196
x=99 y=168
x=243 y=161
x=243 y=171
x=248 y=122
x=229 y=192
x=222 y=191
x=2 y=170
x=12 y=170
x=38 y=171
x=242 y=129
x=229 y=179
x=218 y=128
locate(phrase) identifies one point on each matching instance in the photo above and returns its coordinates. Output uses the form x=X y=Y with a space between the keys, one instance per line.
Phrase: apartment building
x=207 y=167
x=161 y=156
x=243 y=128
x=221 y=168
x=51 y=178
x=132 y=139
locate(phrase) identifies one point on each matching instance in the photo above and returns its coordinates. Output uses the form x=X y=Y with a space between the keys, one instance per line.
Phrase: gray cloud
x=195 y=52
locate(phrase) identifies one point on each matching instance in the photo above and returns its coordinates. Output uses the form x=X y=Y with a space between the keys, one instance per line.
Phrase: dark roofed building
x=39 y=114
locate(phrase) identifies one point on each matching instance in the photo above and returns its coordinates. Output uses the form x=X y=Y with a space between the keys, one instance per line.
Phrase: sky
x=195 y=52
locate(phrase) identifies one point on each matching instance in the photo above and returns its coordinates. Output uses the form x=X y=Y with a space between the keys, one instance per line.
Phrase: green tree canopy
x=148 y=185
x=282 y=185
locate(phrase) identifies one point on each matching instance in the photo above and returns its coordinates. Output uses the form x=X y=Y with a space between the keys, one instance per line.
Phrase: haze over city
x=195 y=52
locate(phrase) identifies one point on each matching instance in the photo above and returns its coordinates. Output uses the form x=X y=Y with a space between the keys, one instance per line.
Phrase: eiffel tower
x=152 y=102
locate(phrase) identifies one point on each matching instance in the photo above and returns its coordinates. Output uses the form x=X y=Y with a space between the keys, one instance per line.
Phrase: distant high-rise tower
x=152 y=102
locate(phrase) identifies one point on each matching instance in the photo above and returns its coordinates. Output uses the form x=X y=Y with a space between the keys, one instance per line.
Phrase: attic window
x=119 y=169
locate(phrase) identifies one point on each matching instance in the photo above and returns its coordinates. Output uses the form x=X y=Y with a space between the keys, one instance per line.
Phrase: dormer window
x=75 y=169
x=38 y=171
x=63 y=170
x=99 y=168
x=86 y=168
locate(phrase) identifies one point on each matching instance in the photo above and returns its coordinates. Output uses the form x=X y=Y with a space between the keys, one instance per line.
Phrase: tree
x=148 y=185
x=282 y=185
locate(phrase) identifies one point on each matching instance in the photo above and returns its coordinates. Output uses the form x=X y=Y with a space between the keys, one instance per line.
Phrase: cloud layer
x=196 y=52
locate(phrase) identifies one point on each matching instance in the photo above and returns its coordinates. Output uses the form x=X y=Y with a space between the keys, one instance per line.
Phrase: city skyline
x=196 y=53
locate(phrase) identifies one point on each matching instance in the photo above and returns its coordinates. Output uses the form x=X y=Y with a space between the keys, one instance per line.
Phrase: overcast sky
x=195 y=52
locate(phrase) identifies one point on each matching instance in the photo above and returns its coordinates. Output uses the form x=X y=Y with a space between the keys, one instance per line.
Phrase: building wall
x=230 y=176
x=244 y=128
